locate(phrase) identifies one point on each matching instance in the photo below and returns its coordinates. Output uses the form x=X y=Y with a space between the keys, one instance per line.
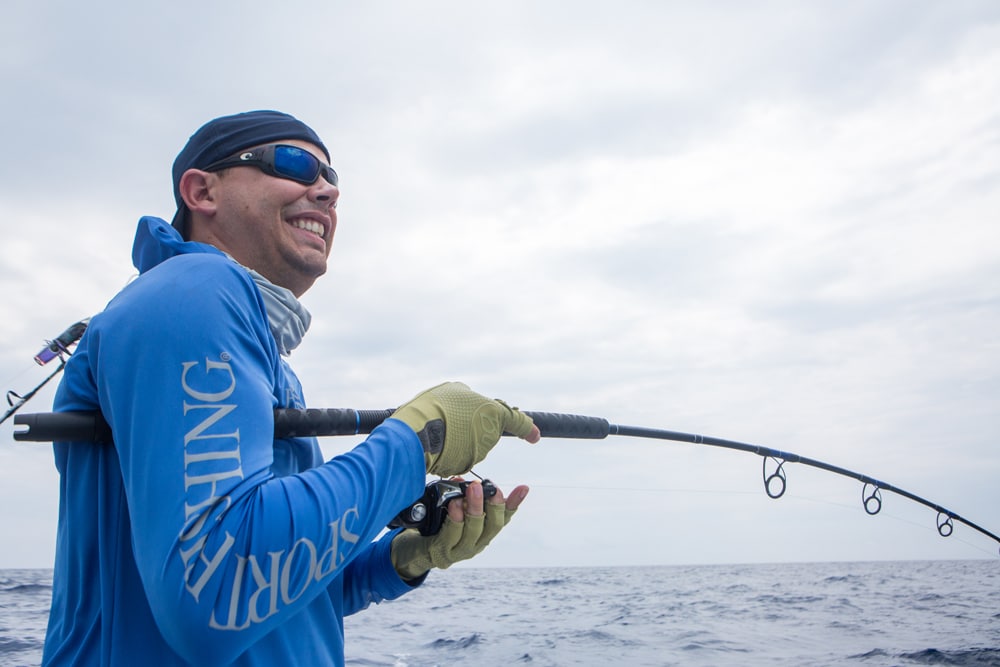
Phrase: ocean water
x=879 y=613
x=24 y=611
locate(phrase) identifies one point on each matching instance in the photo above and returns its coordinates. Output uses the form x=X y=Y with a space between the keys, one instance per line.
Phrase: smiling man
x=282 y=226
x=198 y=538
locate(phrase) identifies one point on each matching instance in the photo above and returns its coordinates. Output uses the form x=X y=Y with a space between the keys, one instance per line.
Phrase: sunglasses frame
x=262 y=157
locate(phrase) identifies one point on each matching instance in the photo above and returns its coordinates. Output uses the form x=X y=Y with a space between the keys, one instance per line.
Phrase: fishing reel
x=427 y=514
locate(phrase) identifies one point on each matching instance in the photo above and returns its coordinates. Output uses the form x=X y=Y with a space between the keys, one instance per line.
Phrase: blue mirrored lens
x=295 y=163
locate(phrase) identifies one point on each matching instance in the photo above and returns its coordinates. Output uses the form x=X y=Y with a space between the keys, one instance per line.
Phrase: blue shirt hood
x=156 y=241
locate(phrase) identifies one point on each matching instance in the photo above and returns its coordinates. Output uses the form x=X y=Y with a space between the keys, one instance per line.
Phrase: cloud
x=765 y=223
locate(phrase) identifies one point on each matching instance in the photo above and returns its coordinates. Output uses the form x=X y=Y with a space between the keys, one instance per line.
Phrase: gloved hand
x=459 y=427
x=465 y=533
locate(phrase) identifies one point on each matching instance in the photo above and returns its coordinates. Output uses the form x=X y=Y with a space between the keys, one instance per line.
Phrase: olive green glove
x=459 y=427
x=413 y=554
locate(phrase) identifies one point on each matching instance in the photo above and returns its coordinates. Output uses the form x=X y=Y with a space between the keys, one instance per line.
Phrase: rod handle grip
x=346 y=421
x=290 y=423
x=71 y=426
x=561 y=425
x=296 y=423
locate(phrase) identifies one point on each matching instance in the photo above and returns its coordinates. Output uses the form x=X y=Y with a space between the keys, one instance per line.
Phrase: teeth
x=309 y=226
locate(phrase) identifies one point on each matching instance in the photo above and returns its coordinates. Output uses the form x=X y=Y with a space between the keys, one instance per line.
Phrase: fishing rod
x=290 y=423
x=59 y=348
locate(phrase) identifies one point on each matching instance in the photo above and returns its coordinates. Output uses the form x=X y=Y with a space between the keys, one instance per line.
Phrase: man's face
x=278 y=227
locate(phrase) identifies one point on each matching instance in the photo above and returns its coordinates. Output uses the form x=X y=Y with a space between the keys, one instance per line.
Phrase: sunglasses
x=281 y=160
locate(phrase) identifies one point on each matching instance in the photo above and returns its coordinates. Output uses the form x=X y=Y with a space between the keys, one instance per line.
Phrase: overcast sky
x=773 y=222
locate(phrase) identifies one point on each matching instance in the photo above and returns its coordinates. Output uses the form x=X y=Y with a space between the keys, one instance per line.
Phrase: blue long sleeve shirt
x=197 y=538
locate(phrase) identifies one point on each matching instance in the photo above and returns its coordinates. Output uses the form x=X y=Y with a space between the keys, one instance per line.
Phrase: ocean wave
x=962 y=657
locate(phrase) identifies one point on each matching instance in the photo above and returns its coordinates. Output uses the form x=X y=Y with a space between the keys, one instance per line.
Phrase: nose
x=325 y=193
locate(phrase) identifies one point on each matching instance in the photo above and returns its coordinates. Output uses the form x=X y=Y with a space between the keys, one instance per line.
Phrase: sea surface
x=878 y=613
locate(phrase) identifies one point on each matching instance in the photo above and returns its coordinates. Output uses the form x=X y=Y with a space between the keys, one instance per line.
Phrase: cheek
x=256 y=206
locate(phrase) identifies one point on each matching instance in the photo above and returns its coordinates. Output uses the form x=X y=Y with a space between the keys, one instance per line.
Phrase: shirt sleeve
x=373 y=579
x=186 y=371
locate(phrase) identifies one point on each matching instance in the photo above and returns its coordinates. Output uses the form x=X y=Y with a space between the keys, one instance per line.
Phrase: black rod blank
x=290 y=423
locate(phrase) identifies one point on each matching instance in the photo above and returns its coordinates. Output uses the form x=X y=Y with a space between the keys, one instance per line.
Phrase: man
x=197 y=538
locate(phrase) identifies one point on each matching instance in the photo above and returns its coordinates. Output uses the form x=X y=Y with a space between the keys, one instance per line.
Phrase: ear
x=197 y=189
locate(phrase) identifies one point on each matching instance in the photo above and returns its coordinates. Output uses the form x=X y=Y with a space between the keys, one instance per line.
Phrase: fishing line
x=893 y=516
x=19 y=375
x=91 y=427
x=642 y=489
x=814 y=500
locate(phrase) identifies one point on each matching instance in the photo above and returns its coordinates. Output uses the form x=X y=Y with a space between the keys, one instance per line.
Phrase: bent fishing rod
x=289 y=423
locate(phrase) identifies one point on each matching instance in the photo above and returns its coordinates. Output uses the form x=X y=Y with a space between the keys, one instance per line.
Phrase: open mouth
x=310 y=226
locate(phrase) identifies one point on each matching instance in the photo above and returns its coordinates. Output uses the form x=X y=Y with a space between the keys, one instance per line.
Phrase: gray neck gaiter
x=288 y=318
